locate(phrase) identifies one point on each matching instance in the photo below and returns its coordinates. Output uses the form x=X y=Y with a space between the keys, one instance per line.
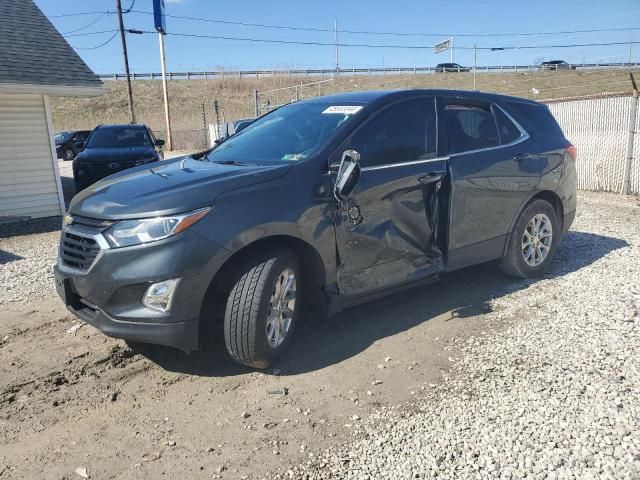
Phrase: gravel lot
x=556 y=394
x=476 y=376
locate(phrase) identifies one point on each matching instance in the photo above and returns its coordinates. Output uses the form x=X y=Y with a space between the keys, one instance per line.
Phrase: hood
x=173 y=186
x=122 y=154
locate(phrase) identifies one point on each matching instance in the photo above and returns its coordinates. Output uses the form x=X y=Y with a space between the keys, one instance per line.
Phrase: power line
x=93 y=33
x=98 y=46
x=369 y=45
x=87 y=25
x=402 y=34
x=77 y=14
x=133 y=2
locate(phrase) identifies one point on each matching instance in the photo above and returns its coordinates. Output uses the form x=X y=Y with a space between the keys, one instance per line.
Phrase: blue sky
x=426 y=16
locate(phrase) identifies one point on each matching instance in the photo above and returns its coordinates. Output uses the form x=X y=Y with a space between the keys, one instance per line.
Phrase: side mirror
x=80 y=145
x=159 y=142
x=348 y=174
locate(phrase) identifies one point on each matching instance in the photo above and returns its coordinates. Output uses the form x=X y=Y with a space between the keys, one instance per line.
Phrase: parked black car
x=67 y=143
x=556 y=65
x=112 y=148
x=333 y=200
x=451 y=67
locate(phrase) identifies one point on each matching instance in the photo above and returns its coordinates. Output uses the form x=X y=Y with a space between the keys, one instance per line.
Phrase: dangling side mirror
x=348 y=174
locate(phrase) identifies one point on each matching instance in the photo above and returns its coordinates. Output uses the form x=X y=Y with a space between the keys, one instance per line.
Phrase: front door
x=386 y=230
x=492 y=173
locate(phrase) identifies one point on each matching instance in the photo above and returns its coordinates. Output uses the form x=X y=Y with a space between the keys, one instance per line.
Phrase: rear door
x=493 y=169
x=386 y=229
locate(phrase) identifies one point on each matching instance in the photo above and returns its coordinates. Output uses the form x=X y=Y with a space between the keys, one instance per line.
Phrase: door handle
x=431 y=177
x=520 y=157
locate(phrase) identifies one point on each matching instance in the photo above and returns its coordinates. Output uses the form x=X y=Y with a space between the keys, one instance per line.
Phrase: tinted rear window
x=536 y=118
x=470 y=128
x=507 y=130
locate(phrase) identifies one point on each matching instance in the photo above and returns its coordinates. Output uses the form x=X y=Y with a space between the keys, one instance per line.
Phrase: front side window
x=470 y=127
x=119 y=137
x=288 y=134
x=403 y=132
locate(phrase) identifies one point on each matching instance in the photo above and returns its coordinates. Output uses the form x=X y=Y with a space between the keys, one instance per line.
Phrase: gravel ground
x=553 y=391
x=27 y=253
x=28 y=250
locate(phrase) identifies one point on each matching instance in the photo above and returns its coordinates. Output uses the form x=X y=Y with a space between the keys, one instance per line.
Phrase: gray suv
x=331 y=201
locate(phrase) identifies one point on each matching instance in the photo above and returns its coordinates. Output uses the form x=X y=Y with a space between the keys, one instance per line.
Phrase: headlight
x=134 y=232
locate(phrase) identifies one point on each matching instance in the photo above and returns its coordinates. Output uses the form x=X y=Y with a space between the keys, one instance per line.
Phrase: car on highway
x=556 y=65
x=113 y=148
x=67 y=143
x=325 y=203
x=451 y=67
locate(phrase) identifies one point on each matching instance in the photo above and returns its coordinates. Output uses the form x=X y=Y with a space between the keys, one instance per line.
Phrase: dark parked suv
x=68 y=143
x=112 y=148
x=329 y=201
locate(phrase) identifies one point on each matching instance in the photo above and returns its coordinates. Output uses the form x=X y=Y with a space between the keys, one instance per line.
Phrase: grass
x=235 y=96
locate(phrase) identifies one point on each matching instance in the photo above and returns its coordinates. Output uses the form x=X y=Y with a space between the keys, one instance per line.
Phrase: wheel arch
x=547 y=195
x=310 y=261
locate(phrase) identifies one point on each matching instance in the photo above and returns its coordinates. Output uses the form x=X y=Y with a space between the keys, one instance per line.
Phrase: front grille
x=79 y=246
x=104 y=169
x=91 y=223
x=78 y=251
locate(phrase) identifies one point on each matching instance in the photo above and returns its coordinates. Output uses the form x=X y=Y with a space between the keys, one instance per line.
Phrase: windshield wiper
x=230 y=162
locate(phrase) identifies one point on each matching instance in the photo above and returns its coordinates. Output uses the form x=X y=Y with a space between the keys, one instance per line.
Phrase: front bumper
x=108 y=295
x=181 y=335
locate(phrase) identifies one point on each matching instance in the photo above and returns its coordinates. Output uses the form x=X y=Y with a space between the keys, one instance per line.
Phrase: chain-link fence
x=600 y=128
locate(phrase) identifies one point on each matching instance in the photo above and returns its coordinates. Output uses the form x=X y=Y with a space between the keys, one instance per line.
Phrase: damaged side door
x=386 y=225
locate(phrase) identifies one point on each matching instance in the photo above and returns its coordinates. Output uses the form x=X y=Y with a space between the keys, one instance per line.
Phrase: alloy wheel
x=281 y=307
x=537 y=240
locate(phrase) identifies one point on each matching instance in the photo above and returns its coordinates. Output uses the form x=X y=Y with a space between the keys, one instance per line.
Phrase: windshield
x=119 y=137
x=62 y=137
x=289 y=134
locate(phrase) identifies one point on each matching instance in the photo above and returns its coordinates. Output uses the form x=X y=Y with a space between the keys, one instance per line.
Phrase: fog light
x=160 y=295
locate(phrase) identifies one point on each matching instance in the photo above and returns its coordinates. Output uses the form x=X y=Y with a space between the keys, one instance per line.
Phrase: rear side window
x=403 y=132
x=506 y=129
x=536 y=118
x=470 y=128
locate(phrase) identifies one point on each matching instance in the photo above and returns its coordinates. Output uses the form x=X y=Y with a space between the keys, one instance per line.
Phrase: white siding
x=28 y=183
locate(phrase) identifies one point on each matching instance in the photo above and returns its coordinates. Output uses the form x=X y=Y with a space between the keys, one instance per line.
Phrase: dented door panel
x=386 y=232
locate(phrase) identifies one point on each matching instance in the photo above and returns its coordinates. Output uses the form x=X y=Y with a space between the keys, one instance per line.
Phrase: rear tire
x=533 y=242
x=262 y=308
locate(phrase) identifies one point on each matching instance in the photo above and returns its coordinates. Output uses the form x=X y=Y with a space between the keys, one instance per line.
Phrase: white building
x=35 y=62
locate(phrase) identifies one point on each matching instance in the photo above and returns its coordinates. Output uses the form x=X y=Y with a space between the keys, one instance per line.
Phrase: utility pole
x=126 y=60
x=335 y=28
x=475 y=61
x=451 y=50
x=629 y=160
x=165 y=91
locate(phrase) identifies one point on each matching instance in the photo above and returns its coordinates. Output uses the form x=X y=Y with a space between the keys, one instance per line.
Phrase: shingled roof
x=34 y=55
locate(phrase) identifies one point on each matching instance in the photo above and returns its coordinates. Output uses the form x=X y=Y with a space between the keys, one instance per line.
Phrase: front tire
x=68 y=154
x=262 y=308
x=533 y=242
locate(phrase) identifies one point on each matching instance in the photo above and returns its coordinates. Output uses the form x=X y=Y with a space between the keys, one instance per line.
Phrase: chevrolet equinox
x=329 y=201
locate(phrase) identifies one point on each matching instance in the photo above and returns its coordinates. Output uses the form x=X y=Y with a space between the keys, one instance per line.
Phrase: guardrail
x=355 y=71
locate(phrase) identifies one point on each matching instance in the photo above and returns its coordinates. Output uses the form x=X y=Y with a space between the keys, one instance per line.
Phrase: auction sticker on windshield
x=343 y=109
